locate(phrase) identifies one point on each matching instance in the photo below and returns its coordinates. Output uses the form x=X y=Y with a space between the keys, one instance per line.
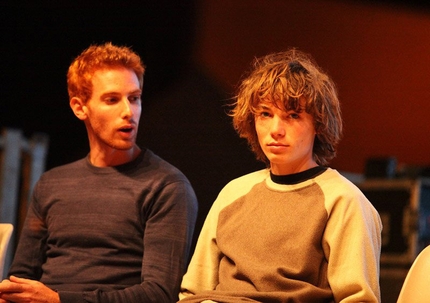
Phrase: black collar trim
x=298 y=177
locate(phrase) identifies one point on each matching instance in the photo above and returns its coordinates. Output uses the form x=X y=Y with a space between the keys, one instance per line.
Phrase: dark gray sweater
x=115 y=234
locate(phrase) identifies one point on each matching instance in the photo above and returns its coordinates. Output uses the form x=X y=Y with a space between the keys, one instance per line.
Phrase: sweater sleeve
x=202 y=272
x=30 y=252
x=352 y=243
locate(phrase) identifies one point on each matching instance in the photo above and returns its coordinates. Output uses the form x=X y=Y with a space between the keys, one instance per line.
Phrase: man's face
x=286 y=138
x=114 y=109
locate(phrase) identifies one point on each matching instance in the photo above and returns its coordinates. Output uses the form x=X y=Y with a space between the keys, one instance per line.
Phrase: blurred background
x=196 y=51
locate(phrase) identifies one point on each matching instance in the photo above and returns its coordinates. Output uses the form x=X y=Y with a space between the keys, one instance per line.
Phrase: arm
x=352 y=242
x=202 y=272
x=167 y=239
x=31 y=250
x=27 y=264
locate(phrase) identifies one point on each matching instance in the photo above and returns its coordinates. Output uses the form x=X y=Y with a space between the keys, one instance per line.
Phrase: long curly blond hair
x=286 y=78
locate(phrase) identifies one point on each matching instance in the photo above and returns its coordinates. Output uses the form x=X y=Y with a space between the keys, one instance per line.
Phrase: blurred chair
x=22 y=161
x=6 y=230
x=416 y=287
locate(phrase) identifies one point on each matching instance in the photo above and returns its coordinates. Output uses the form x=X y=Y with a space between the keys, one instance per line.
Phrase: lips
x=126 y=128
x=277 y=145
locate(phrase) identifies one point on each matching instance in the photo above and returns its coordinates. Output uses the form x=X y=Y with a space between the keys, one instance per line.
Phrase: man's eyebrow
x=115 y=93
x=108 y=94
x=137 y=91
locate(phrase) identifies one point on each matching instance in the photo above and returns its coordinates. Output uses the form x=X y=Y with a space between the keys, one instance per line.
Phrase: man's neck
x=114 y=157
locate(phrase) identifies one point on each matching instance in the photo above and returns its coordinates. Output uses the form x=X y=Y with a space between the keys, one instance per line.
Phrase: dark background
x=183 y=117
x=195 y=51
x=184 y=105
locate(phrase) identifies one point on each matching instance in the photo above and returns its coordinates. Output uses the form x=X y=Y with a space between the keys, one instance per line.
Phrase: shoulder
x=151 y=158
x=234 y=190
x=248 y=180
x=242 y=185
x=342 y=193
x=160 y=176
x=68 y=170
x=332 y=181
x=157 y=166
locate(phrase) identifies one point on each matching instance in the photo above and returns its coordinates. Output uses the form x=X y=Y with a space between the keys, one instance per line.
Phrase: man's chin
x=124 y=146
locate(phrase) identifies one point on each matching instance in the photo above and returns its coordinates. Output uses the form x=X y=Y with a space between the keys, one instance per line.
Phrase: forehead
x=104 y=72
x=114 y=76
x=285 y=105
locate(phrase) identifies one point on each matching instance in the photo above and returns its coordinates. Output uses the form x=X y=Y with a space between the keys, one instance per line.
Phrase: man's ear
x=78 y=107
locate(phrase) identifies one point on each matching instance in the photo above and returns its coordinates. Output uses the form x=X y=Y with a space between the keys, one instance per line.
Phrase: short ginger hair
x=96 y=57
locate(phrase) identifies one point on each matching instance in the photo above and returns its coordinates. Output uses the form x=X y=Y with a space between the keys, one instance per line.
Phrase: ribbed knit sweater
x=113 y=234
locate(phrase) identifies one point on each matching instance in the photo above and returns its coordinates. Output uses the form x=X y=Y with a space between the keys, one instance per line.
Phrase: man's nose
x=127 y=110
x=277 y=127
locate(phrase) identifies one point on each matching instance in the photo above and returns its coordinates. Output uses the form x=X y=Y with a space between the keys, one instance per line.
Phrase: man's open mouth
x=126 y=130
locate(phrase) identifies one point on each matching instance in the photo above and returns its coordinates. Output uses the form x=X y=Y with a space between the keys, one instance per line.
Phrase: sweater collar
x=298 y=177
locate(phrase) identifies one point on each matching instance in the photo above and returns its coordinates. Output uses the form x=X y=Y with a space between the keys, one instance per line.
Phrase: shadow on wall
x=188 y=126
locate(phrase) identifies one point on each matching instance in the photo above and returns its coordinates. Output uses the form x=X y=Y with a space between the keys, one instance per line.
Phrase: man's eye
x=265 y=114
x=294 y=116
x=134 y=98
x=111 y=100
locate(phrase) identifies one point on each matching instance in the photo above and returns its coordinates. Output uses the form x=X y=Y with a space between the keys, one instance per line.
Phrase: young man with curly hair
x=297 y=231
